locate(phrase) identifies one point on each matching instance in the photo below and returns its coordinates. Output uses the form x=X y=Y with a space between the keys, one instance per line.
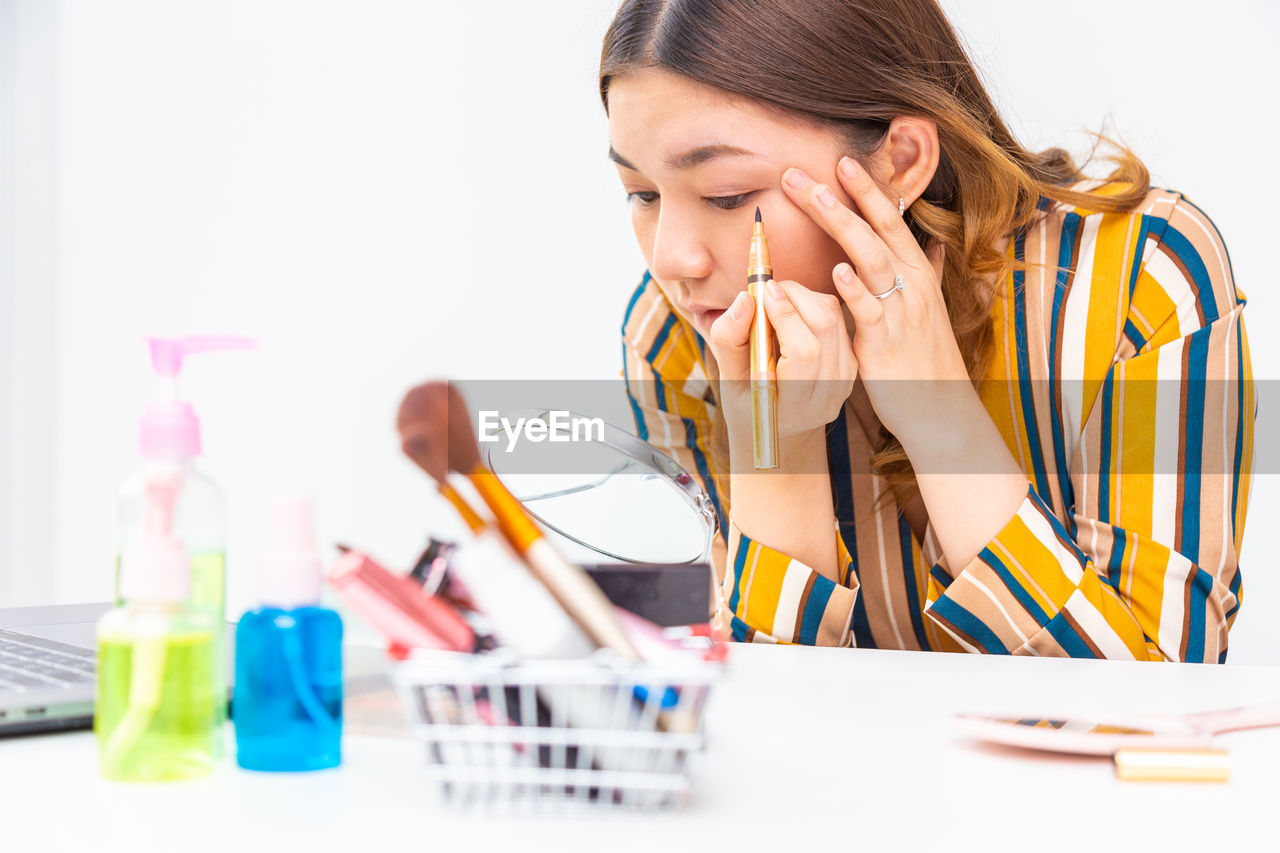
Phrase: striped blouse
x=1120 y=382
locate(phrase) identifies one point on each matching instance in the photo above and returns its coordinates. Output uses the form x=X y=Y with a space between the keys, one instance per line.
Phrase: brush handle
x=572 y=587
x=581 y=598
x=1235 y=719
x=474 y=522
x=525 y=616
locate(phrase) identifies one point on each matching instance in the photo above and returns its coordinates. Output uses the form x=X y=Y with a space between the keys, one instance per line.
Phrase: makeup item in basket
x=395 y=607
x=521 y=612
x=432 y=566
x=764 y=355
x=656 y=646
x=435 y=412
x=667 y=595
x=288 y=685
x=527 y=620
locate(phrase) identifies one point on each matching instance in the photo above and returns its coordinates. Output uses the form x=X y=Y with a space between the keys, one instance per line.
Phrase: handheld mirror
x=606 y=490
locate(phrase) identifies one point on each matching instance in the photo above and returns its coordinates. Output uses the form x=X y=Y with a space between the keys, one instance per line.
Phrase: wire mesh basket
x=596 y=732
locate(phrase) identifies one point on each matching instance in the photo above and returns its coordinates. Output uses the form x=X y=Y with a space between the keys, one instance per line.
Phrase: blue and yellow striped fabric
x=1120 y=382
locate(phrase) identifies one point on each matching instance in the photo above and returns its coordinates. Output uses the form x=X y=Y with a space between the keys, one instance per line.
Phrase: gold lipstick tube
x=764 y=356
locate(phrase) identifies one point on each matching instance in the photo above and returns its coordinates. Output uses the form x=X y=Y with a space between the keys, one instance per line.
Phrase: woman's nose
x=679 y=250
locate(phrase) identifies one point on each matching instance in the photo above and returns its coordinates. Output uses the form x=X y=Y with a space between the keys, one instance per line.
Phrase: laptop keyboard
x=28 y=663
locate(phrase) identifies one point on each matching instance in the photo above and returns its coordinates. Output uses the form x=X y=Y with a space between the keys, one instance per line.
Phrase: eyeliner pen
x=764 y=356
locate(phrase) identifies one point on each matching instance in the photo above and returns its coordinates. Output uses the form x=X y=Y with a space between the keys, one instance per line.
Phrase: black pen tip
x=758 y=219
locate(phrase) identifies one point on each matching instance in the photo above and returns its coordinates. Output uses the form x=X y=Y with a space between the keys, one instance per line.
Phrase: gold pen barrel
x=764 y=415
x=764 y=357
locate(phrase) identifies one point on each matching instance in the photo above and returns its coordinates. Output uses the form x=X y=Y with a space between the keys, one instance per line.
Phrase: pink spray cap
x=291 y=570
x=170 y=428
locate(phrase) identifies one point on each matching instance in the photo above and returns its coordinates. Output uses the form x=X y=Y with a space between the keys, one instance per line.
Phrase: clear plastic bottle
x=169 y=441
x=200 y=522
x=288 y=695
x=155 y=708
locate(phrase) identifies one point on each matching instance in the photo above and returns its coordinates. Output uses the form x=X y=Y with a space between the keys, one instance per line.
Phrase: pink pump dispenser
x=169 y=427
x=169 y=441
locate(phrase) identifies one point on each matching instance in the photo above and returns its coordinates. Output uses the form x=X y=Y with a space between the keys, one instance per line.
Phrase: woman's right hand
x=816 y=365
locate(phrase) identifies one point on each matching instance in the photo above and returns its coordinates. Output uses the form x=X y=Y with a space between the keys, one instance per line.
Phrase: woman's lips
x=703 y=319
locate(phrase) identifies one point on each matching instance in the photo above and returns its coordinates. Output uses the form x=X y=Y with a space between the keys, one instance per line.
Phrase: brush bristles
x=421 y=424
x=435 y=430
x=758 y=219
x=464 y=452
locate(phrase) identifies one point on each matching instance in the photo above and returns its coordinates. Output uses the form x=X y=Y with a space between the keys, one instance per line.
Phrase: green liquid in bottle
x=209 y=593
x=155 y=713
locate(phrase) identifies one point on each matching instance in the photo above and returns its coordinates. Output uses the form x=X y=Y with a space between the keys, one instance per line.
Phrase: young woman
x=1015 y=405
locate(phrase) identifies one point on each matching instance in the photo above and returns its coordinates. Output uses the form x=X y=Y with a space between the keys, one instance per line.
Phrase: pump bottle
x=287 y=708
x=155 y=711
x=169 y=441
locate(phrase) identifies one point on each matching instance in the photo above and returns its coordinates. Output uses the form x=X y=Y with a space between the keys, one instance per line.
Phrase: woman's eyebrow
x=620 y=160
x=693 y=157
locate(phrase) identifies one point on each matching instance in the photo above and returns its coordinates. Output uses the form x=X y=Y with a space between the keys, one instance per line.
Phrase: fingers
x=809 y=327
x=820 y=312
x=795 y=339
x=873 y=240
x=880 y=212
x=730 y=337
x=867 y=311
x=822 y=315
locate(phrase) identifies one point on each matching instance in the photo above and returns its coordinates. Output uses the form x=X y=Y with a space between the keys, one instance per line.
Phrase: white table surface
x=806 y=747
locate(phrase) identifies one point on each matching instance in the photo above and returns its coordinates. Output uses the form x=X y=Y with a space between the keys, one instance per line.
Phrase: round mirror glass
x=603 y=489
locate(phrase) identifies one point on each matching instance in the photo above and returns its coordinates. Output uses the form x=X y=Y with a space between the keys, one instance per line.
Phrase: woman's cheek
x=808 y=261
x=799 y=248
x=643 y=229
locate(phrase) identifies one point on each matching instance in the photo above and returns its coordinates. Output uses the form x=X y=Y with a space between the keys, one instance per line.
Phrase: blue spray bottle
x=287 y=706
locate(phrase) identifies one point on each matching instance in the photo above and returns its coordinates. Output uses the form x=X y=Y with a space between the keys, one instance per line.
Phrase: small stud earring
x=902 y=205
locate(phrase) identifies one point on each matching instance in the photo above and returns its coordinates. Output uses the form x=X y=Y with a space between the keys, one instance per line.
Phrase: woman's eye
x=643 y=198
x=728 y=202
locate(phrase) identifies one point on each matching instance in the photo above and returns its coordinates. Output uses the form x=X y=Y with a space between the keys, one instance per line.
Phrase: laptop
x=48 y=666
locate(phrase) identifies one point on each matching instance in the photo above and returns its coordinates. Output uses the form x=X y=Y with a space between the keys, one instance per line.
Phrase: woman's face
x=695 y=163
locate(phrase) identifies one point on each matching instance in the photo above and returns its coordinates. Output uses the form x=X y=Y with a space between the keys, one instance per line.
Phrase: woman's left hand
x=905 y=348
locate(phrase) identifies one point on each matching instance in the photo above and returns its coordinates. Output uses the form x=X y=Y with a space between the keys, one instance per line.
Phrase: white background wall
x=365 y=187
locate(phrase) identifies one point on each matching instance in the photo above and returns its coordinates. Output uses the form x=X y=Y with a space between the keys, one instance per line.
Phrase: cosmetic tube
x=395 y=606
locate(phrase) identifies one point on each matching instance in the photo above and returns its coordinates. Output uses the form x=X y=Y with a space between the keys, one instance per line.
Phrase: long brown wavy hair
x=853 y=66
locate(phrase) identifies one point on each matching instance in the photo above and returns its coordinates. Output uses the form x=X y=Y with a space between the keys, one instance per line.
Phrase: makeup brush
x=423 y=426
x=434 y=415
x=526 y=615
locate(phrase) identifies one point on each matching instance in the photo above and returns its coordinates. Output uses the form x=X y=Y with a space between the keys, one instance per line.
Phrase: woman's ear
x=908 y=157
